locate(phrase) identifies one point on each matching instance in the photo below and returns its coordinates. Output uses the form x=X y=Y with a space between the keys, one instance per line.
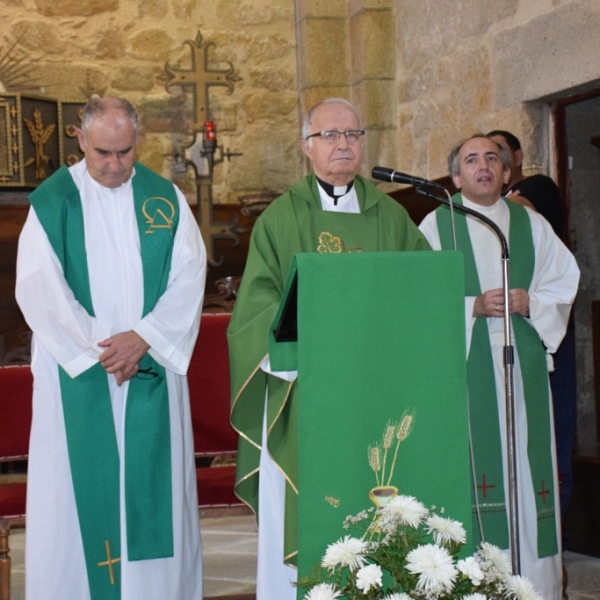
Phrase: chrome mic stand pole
x=511 y=442
x=508 y=382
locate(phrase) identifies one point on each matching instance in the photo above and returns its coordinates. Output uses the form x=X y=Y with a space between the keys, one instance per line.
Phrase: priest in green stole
x=543 y=283
x=110 y=278
x=332 y=210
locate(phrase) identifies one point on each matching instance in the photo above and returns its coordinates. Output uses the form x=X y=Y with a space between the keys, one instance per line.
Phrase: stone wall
x=347 y=49
x=427 y=73
x=423 y=73
x=120 y=47
x=478 y=65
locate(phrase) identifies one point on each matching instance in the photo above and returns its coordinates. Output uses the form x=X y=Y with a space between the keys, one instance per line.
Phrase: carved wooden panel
x=11 y=321
x=37 y=136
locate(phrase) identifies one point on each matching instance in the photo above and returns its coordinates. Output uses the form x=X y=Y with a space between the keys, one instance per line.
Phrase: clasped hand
x=122 y=355
x=491 y=303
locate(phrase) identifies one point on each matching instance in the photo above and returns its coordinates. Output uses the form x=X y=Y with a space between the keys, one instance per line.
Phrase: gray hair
x=454 y=156
x=99 y=106
x=309 y=115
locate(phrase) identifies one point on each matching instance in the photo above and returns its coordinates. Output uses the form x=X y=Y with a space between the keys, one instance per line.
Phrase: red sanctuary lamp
x=209 y=144
x=210 y=133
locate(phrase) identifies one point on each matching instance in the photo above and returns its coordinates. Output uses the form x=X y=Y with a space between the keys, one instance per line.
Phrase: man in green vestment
x=333 y=210
x=543 y=284
x=110 y=278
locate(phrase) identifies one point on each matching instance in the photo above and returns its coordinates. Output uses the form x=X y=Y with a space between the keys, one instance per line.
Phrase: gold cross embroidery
x=109 y=562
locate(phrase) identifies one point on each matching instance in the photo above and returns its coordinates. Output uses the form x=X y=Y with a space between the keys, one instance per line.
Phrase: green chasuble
x=89 y=424
x=293 y=223
x=485 y=430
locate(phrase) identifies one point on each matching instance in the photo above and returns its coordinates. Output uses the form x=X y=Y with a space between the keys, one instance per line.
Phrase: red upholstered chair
x=15 y=423
x=16 y=387
x=208 y=379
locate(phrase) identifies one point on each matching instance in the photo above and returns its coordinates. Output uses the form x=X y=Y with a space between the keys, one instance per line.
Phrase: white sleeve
x=172 y=326
x=57 y=319
x=554 y=284
x=285 y=375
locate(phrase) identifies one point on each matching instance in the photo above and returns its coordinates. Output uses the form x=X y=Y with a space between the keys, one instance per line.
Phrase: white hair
x=309 y=115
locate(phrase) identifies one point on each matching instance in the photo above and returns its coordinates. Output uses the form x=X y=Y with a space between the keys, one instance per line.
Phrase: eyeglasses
x=333 y=137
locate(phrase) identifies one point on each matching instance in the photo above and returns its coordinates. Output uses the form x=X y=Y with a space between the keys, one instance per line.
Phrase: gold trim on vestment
x=269 y=432
x=244 y=436
x=234 y=405
x=247 y=476
x=288 y=557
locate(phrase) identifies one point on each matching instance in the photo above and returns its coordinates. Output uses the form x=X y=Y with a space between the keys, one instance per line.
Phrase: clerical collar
x=335 y=191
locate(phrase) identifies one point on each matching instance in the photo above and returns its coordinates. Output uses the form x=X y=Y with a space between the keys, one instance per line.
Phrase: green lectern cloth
x=379 y=334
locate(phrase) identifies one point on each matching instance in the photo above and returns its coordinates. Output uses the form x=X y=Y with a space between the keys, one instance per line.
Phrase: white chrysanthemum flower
x=323 y=591
x=446 y=530
x=369 y=577
x=494 y=562
x=397 y=596
x=475 y=596
x=434 y=566
x=470 y=567
x=345 y=552
x=521 y=588
x=405 y=509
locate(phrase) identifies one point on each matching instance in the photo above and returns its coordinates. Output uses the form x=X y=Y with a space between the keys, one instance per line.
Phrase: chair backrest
x=16 y=390
x=208 y=379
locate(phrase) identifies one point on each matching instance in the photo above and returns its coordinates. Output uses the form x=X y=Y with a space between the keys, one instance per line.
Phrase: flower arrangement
x=408 y=552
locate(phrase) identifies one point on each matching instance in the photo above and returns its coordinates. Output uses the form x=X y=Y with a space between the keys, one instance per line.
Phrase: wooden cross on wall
x=199 y=78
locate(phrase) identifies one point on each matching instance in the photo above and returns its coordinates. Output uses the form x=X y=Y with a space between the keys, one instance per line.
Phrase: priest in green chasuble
x=333 y=210
x=543 y=283
x=110 y=278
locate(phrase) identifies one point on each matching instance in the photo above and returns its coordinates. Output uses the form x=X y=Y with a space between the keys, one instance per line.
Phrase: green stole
x=483 y=402
x=91 y=436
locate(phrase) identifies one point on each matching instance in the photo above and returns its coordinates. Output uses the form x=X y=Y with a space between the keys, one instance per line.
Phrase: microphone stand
x=509 y=362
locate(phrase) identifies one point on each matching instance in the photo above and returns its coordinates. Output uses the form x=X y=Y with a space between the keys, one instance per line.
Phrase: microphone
x=469 y=211
x=421 y=185
x=385 y=174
